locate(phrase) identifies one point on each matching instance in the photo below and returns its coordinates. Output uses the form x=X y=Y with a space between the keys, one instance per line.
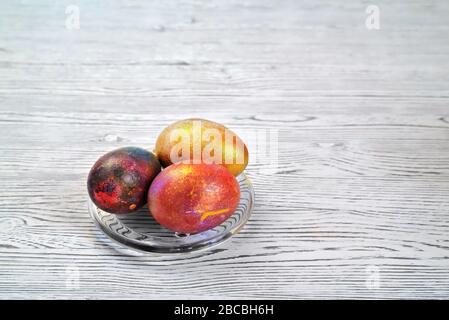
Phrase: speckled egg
x=119 y=181
x=191 y=198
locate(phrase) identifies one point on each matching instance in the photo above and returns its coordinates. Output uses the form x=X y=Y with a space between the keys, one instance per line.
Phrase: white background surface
x=362 y=183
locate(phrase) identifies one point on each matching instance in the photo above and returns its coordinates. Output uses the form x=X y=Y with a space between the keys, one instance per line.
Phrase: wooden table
x=357 y=205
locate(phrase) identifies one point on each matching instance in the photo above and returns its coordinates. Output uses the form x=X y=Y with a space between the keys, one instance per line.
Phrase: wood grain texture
x=362 y=179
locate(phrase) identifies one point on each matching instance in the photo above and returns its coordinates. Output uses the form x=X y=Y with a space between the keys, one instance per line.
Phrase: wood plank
x=362 y=119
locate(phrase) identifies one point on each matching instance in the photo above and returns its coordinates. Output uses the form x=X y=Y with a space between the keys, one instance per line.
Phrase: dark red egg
x=119 y=181
x=191 y=198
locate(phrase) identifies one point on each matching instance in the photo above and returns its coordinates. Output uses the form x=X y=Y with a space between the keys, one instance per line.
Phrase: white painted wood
x=362 y=182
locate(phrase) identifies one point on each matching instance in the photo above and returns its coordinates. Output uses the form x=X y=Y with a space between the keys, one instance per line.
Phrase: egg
x=202 y=141
x=191 y=198
x=119 y=181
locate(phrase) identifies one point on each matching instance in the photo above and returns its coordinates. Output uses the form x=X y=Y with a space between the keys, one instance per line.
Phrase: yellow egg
x=201 y=141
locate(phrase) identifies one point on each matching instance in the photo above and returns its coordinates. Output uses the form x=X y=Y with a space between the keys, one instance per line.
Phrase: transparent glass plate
x=139 y=231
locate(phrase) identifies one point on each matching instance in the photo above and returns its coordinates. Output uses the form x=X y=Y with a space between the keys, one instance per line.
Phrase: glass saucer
x=139 y=231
